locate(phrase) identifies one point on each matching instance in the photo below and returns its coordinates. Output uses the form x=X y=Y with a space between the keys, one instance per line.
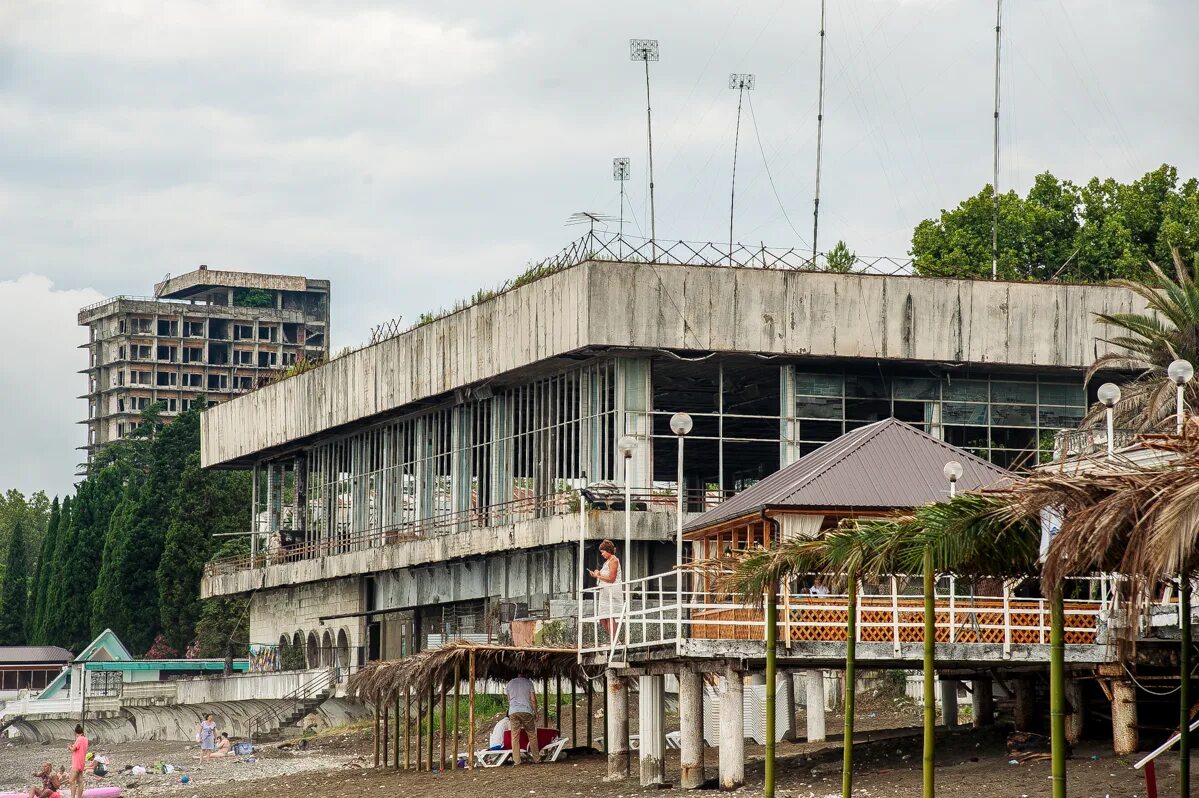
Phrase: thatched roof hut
x=436 y=668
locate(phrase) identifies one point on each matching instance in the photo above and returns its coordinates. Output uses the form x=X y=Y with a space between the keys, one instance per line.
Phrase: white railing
x=654 y=617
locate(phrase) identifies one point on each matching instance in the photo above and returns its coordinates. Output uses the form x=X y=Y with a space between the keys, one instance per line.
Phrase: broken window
x=166 y=354
x=266 y=359
x=168 y=327
x=243 y=332
x=166 y=379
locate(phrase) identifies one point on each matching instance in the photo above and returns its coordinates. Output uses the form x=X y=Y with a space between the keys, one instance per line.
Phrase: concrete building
x=208 y=333
x=424 y=486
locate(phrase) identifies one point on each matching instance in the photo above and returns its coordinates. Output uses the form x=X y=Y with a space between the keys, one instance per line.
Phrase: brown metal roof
x=887 y=465
x=34 y=655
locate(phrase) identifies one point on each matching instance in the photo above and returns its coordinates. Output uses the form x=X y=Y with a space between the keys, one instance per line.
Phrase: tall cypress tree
x=57 y=576
x=35 y=629
x=14 y=588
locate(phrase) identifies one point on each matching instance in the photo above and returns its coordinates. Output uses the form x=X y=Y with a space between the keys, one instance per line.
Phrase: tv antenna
x=819 y=139
x=995 y=170
x=620 y=173
x=741 y=83
x=589 y=218
x=647 y=50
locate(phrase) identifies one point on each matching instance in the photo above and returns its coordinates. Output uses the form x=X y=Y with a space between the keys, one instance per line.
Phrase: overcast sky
x=414 y=152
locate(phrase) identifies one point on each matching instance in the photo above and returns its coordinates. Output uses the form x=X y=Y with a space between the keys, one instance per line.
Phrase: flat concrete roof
x=205 y=279
x=599 y=305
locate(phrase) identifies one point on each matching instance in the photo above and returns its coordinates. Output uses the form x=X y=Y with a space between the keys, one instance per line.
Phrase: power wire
x=757 y=135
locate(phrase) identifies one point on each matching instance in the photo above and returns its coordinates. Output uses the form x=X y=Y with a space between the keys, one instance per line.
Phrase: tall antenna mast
x=819 y=139
x=647 y=50
x=995 y=171
x=741 y=83
x=620 y=173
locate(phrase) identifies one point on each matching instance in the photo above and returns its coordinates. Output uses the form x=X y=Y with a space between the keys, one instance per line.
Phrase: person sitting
x=818 y=588
x=496 y=740
x=50 y=782
x=223 y=746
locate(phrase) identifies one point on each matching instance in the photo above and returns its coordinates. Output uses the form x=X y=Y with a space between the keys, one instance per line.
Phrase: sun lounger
x=551 y=750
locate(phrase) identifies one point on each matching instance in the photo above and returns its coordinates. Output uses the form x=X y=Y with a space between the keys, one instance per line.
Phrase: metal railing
x=608 y=245
x=273 y=716
x=495 y=515
x=653 y=617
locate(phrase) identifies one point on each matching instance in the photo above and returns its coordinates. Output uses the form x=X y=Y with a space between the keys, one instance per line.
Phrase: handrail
x=1166 y=746
x=314 y=686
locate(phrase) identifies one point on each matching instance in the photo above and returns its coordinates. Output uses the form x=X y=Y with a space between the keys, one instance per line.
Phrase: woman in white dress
x=610 y=603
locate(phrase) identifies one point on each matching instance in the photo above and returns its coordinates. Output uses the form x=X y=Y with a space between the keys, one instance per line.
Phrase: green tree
x=1101 y=230
x=35 y=629
x=14 y=589
x=253 y=298
x=839 y=258
x=205 y=504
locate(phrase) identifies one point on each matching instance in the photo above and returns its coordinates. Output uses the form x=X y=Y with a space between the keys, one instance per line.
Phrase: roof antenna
x=819 y=140
x=647 y=50
x=741 y=83
x=620 y=173
x=995 y=174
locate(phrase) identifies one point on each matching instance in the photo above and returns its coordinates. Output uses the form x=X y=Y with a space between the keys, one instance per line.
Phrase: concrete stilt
x=814 y=688
x=788 y=700
x=691 y=729
x=1125 y=736
x=617 y=737
x=651 y=706
x=949 y=703
x=983 y=702
x=732 y=731
x=1076 y=711
x=1025 y=711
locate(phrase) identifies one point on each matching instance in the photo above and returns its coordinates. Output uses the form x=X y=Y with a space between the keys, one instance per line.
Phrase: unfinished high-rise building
x=205 y=334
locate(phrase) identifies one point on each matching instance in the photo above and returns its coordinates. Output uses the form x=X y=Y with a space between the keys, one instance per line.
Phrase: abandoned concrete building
x=206 y=333
x=425 y=487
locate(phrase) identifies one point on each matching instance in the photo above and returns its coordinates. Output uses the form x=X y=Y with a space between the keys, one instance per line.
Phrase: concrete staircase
x=293 y=707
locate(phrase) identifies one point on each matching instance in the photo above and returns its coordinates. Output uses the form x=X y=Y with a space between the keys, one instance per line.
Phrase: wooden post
x=407 y=729
x=457 y=710
x=442 y=760
x=386 y=730
x=545 y=702
x=376 y=735
x=558 y=703
x=470 y=718
x=574 y=713
x=590 y=716
x=420 y=740
x=432 y=706
x=395 y=759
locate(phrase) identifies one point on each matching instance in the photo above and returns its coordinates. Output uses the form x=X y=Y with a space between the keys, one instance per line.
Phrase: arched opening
x=314 y=653
x=327 y=649
x=343 y=649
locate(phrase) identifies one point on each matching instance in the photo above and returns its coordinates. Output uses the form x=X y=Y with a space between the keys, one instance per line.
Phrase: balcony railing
x=377 y=535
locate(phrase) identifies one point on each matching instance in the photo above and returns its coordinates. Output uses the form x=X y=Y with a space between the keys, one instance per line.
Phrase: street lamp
x=1180 y=372
x=953 y=472
x=627 y=445
x=680 y=425
x=1109 y=395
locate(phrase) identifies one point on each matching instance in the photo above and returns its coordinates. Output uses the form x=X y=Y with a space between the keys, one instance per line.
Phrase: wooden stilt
x=395 y=759
x=432 y=706
x=457 y=709
x=574 y=713
x=407 y=729
x=590 y=716
x=376 y=736
x=442 y=749
x=558 y=703
x=545 y=702
x=470 y=718
x=386 y=708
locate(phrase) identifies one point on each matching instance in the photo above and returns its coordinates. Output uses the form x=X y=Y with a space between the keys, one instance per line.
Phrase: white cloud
x=39 y=383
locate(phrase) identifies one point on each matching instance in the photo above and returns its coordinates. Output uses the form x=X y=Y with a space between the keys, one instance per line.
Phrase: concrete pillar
x=1025 y=712
x=732 y=731
x=983 y=702
x=1125 y=736
x=1075 y=712
x=651 y=706
x=788 y=702
x=616 y=739
x=814 y=687
x=691 y=729
x=949 y=703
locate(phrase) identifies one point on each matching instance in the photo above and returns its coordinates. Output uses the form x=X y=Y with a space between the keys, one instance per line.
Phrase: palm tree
x=1151 y=340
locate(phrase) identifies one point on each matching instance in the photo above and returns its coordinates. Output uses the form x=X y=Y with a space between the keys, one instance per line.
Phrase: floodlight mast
x=741 y=82
x=646 y=50
x=620 y=173
x=819 y=140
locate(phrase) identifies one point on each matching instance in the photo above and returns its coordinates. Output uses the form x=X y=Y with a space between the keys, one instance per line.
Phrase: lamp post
x=627 y=445
x=1109 y=395
x=680 y=425
x=1180 y=372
